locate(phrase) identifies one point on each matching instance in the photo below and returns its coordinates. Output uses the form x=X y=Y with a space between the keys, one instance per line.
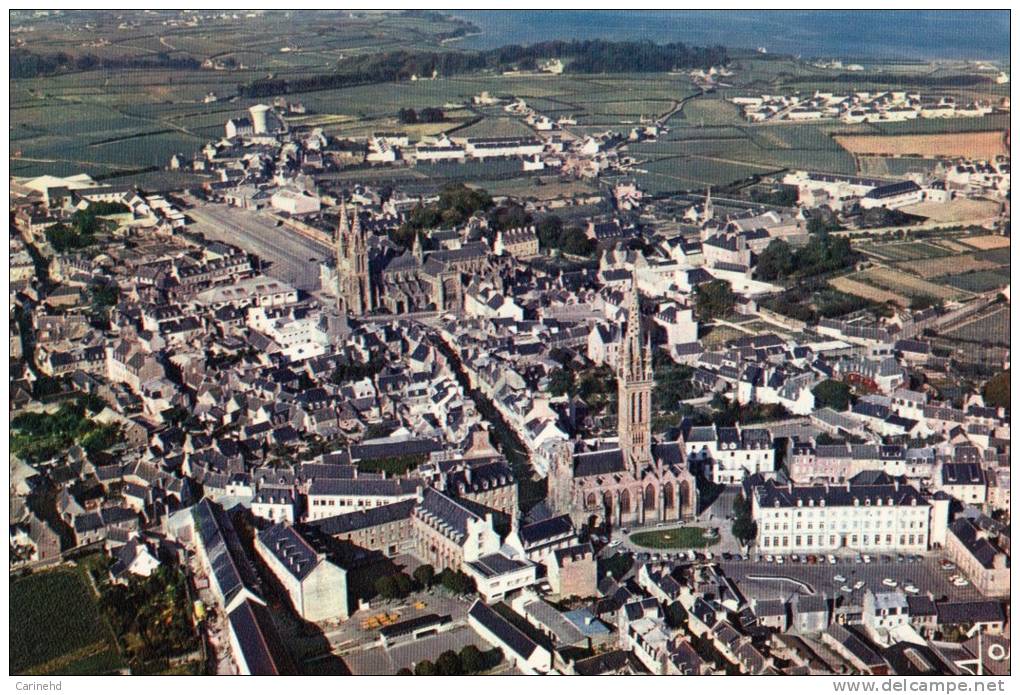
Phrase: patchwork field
x=978 y=281
x=904 y=251
x=56 y=627
x=991 y=241
x=898 y=282
x=860 y=289
x=937 y=267
x=983 y=145
x=992 y=328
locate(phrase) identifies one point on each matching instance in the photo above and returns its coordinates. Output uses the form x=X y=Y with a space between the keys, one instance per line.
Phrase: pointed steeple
x=709 y=213
x=417 y=250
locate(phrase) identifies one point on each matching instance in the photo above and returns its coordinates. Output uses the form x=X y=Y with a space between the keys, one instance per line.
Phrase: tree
x=424 y=575
x=448 y=664
x=405 y=672
x=386 y=587
x=713 y=300
x=744 y=527
x=471 y=659
x=832 y=394
x=425 y=668
x=407 y=116
x=996 y=391
x=775 y=262
x=403 y=584
x=457 y=582
x=561 y=382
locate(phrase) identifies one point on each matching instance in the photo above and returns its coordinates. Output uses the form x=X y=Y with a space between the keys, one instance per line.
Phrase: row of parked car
x=863 y=559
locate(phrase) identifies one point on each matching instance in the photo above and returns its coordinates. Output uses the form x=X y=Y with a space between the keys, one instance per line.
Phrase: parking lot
x=753 y=577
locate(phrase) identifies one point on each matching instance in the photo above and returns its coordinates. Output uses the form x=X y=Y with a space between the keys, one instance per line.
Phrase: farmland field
x=983 y=145
x=56 y=627
x=935 y=267
x=992 y=328
x=851 y=286
x=904 y=251
x=904 y=284
x=990 y=241
x=978 y=281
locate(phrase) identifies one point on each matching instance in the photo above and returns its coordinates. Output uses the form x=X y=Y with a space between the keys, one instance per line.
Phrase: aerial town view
x=417 y=342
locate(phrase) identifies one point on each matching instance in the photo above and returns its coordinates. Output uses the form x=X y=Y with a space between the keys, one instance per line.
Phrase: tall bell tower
x=635 y=379
x=354 y=281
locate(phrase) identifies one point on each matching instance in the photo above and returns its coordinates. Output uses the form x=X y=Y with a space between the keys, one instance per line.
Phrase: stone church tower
x=634 y=387
x=354 y=282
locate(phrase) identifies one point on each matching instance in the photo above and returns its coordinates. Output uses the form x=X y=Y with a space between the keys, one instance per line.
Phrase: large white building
x=730 y=454
x=823 y=518
x=317 y=588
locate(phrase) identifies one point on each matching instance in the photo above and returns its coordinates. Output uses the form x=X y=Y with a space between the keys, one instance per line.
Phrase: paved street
x=289 y=255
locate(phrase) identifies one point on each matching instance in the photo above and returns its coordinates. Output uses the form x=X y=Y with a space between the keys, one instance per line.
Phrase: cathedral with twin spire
x=637 y=480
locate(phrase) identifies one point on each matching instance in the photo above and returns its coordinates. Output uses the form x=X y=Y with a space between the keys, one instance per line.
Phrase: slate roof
x=548 y=529
x=365 y=518
x=290 y=549
x=506 y=632
x=259 y=642
x=966 y=612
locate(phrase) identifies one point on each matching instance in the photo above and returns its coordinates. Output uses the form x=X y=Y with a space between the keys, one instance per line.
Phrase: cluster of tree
x=781 y=195
x=617 y=565
x=996 y=391
x=832 y=394
x=394 y=465
x=26 y=64
x=570 y=240
x=399 y=585
x=824 y=253
x=152 y=615
x=587 y=57
x=39 y=436
x=429 y=114
x=456 y=204
x=744 y=527
x=84 y=224
x=874 y=218
x=468 y=661
x=713 y=300
x=673 y=383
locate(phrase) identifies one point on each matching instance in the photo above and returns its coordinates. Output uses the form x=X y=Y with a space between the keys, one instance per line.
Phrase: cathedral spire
x=634 y=389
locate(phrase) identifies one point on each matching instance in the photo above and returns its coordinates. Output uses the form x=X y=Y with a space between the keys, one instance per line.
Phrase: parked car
x=779 y=559
x=961 y=582
x=866 y=558
x=846 y=589
x=768 y=558
x=616 y=543
x=859 y=585
x=839 y=579
x=832 y=559
x=911 y=589
x=891 y=583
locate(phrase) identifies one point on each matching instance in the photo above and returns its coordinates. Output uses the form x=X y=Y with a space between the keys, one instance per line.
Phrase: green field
x=978 y=280
x=991 y=328
x=674 y=538
x=56 y=627
x=906 y=251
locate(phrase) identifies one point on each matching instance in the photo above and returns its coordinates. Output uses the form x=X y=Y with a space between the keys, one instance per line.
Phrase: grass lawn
x=674 y=538
x=56 y=627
